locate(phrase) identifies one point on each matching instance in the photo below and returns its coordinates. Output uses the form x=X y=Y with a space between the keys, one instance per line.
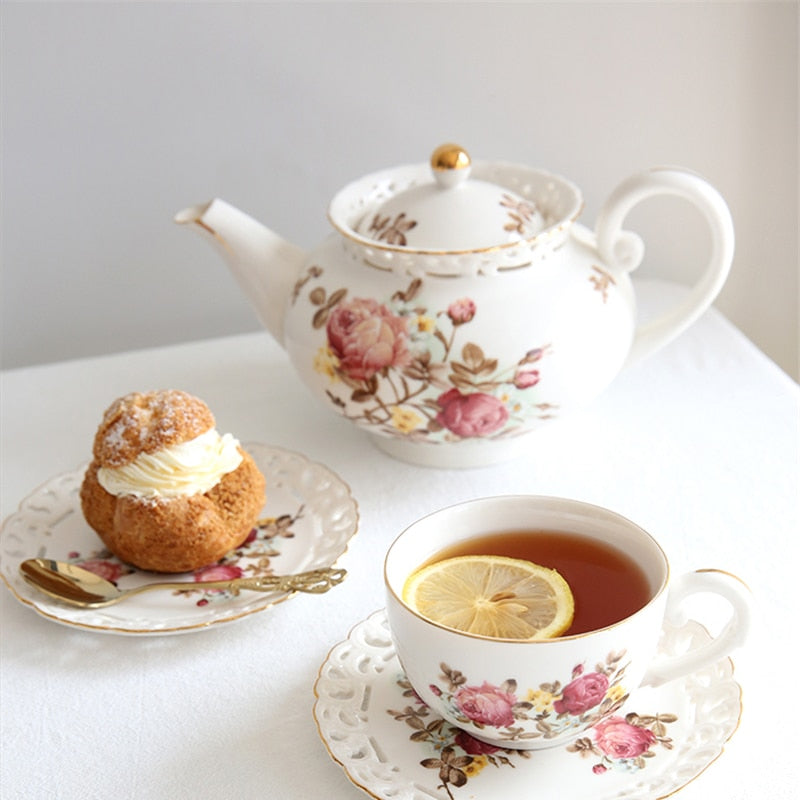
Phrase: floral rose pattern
x=456 y=755
x=624 y=743
x=218 y=572
x=461 y=311
x=469 y=415
x=556 y=709
x=399 y=368
x=486 y=704
x=102 y=564
x=620 y=743
x=252 y=558
x=585 y=692
x=617 y=738
x=366 y=337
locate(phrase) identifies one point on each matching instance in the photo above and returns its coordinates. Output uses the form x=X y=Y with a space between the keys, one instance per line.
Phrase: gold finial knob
x=450 y=156
x=451 y=165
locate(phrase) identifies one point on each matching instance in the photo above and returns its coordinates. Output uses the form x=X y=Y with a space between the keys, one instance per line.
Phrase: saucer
x=307 y=522
x=393 y=747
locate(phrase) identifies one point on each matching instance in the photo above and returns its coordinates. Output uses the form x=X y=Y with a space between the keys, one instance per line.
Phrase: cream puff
x=165 y=491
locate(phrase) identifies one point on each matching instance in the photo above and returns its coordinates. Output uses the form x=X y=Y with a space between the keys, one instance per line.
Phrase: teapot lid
x=452 y=211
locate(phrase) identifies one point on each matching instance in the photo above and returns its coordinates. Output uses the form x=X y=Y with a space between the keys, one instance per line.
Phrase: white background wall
x=116 y=115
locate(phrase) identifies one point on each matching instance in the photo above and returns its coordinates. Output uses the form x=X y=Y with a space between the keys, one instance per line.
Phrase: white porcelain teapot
x=458 y=306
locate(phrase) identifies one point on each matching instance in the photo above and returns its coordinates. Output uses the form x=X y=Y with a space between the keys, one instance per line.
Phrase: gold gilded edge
x=377 y=797
x=722 y=747
x=140 y=631
x=726 y=572
x=317 y=698
x=209 y=623
x=741 y=696
x=430 y=274
x=542 y=236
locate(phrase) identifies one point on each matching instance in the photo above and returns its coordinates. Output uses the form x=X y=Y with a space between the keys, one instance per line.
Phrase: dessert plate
x=307 y=522
x=393 y=747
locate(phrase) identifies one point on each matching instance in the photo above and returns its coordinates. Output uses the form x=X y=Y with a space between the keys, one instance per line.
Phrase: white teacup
x=538 y=694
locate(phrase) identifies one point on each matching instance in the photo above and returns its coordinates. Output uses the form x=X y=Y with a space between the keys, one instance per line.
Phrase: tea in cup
x=527 y=692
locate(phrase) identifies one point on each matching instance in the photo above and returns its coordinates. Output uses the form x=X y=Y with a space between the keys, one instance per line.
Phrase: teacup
x=537 y=694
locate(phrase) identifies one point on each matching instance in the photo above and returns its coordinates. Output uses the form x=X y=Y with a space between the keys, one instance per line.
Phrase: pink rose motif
x=366 y=337
x=486 y=704
x=218 y=572
x=583 y=693
x=533 y=355
x=472 y=746
x=109 y=570
x=251 y=537
x=599 y=769
x=619 y=739
x=461 y=311
x=471 y=415
x=525 y=377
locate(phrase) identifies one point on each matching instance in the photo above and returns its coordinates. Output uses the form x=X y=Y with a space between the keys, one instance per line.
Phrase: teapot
x=458 y=306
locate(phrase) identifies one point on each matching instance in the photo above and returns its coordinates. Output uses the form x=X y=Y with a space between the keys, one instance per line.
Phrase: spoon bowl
x=76 y=586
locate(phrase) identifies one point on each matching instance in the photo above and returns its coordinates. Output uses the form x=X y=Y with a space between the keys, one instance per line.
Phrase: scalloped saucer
x=393 y=747
x=308 y=520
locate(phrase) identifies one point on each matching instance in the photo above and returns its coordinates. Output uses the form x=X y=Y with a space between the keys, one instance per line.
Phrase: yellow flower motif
x=616 y=693
x=326 y=363
x=405 y=420
x=475 y=766
x=542 y=701
x=425 y=324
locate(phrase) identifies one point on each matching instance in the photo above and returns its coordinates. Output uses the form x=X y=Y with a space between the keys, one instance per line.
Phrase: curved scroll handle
x=733 y=635
x=624 y=250
x=316 y=581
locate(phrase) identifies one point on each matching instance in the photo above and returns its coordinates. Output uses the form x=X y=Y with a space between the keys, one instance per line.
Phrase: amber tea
x=607 y=584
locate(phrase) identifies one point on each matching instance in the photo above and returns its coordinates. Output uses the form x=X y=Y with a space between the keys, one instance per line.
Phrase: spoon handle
x=315 y=581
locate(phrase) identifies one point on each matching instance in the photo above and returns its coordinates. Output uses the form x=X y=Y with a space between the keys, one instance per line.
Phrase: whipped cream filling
x=182 y=470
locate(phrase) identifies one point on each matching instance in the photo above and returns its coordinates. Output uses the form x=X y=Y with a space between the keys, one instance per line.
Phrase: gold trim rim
x=367 y=790
x=552 y=232
x=194 y=627
x=575 y=209
x=317 y=698
x=662 y=588
x=431 y=274
x=141 y=631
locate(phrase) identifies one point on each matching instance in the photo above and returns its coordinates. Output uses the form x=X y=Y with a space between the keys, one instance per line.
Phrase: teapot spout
x=264 y=265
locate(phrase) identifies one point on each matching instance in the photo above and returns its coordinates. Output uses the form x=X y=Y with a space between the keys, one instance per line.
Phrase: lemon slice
x=495 y=596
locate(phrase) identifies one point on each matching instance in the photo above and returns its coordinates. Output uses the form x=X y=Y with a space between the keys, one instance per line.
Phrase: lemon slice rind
x=492 y=596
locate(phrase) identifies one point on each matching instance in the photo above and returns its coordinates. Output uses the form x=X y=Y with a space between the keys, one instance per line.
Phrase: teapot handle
x=623 y=250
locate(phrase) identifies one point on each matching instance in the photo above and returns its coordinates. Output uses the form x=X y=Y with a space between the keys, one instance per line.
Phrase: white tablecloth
x=699 y=445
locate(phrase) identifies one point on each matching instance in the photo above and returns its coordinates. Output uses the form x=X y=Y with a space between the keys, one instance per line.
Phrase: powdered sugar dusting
x=144 y=423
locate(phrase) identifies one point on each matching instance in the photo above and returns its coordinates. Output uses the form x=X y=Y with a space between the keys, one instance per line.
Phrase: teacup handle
x=624 y=250
x=733 y=635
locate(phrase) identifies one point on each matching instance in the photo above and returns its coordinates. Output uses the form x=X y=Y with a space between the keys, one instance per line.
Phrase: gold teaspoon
x=79 y=587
